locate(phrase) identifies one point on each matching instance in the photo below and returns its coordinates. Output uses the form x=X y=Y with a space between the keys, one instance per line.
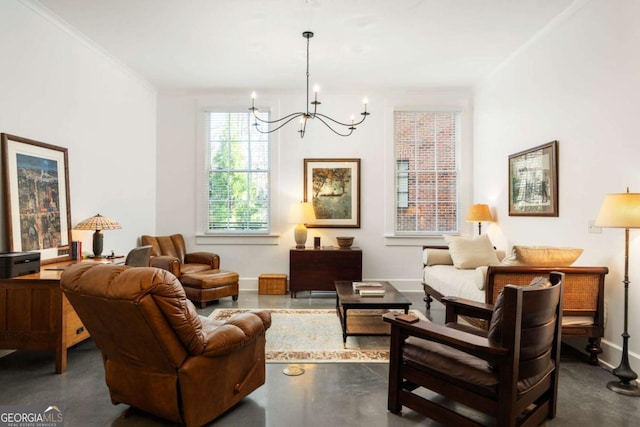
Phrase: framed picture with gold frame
x=333 y=187
x=36 y=198
x=533 y=181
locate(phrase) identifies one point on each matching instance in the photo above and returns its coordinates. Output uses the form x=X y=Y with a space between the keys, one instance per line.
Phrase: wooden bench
x=583 y=297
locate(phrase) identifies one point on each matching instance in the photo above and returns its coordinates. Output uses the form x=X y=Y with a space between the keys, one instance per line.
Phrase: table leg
x=61 y=359
x=344 y=328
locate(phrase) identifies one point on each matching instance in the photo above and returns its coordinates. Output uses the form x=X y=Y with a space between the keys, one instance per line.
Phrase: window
x=403 y=183
x=237 y=173
x=426 y=145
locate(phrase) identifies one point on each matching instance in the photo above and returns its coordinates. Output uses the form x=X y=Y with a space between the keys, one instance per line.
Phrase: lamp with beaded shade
x=98 y=223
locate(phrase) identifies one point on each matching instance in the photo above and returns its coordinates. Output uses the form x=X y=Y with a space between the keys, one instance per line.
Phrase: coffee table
x=347 y=299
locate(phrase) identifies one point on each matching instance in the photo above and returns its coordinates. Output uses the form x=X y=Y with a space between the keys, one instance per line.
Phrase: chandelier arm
x=291 y=117
x=288 y=117
x=364 y=116
x=303 y=128
x=350 y=128
x=315 y=108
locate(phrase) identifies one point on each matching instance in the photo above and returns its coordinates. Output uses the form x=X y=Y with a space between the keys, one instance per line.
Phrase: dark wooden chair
x=139 y=257
x=460 y=375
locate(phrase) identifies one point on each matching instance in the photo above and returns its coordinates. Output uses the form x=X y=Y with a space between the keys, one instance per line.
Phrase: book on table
x=371 y=292
x=366 y=285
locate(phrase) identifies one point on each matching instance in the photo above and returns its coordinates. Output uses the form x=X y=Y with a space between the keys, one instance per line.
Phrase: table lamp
x=479 y=212
x=98 y=223
x=622 y=210
x=301 y=213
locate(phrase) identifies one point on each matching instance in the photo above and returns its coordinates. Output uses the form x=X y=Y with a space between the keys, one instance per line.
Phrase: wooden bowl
x=345 y=242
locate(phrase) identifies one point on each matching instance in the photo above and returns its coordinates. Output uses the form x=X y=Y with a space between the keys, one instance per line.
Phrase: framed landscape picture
x=533 y=181
x=36 y=198
x=333 y=187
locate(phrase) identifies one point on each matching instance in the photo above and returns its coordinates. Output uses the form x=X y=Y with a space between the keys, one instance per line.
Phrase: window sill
x=237 y=239
x=395 y=240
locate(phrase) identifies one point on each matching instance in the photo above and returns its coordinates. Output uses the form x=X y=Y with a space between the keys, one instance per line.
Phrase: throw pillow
x=433 y=256
x=480 y=276
x=473 y=252
x=542 y=256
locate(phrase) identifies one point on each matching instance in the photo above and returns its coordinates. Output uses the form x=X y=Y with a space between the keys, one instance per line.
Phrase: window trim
x=465 y=155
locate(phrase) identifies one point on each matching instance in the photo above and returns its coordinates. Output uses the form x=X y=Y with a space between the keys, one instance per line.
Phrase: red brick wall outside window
x=426 y=146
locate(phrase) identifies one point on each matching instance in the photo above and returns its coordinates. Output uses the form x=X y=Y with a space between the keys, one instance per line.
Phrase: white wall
x=578 y=84
x=383 y=258
x=57 y=88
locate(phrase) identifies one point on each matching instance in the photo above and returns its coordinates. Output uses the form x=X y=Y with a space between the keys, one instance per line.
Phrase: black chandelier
x=344 y=129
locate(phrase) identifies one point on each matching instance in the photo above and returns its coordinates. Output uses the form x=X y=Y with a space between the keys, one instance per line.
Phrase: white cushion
x=480 y=276
x=471 y=252
x=450 y=281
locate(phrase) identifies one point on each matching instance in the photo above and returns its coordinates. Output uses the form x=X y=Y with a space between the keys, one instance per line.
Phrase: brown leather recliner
x=170 y=253
x=159 y=355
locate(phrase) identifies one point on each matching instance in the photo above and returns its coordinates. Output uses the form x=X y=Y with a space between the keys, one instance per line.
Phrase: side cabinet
x=318 y=269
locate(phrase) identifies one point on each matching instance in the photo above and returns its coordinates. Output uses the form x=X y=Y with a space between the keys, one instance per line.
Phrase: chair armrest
x=203 y=258
x=464 y=307
x=460 y=340
x=235 y=333
x=165 y=262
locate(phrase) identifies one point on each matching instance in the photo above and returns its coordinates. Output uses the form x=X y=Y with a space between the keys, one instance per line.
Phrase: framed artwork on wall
x=36 y=198
x=333 y=187
x=533 y=181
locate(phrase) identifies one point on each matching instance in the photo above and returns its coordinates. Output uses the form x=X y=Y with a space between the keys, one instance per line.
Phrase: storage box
x=272 y=284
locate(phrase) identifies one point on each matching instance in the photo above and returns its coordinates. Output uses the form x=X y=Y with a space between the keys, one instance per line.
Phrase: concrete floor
x=347 y=394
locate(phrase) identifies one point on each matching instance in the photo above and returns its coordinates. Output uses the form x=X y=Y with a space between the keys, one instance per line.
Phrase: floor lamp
x=479 y=212
x=622 y=210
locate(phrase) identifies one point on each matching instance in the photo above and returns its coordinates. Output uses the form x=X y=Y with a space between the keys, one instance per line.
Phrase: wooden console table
x=35 y=314
x=317 y=269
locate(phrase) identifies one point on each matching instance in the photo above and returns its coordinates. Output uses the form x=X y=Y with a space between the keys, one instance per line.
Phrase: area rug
x=315 y=335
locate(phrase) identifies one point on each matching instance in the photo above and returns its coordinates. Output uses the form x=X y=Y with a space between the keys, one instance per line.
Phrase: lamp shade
x=620 y=210
x=301 y=213
x=479 y=212
x=98 y=222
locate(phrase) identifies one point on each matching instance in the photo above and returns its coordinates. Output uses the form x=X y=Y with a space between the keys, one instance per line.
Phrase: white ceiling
x=257 y=44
